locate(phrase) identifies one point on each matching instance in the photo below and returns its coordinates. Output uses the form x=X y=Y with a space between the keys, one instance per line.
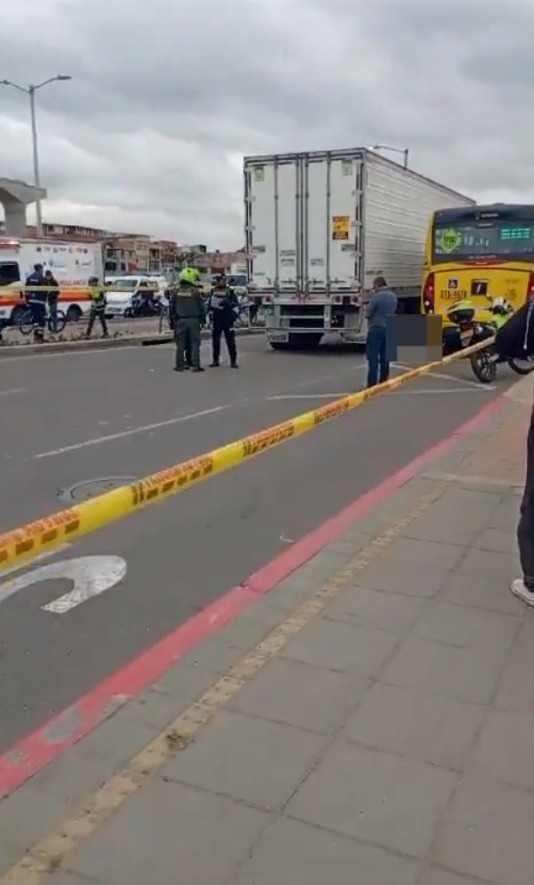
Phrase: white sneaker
x=518 y=589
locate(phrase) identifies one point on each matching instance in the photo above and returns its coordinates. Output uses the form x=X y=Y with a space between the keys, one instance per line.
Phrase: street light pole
x=385 y=147
x=30 y=91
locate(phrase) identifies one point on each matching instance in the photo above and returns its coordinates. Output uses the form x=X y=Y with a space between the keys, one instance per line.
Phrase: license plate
x=278 y=336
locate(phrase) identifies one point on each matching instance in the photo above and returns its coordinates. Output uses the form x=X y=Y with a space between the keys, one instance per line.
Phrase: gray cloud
x=166 y=98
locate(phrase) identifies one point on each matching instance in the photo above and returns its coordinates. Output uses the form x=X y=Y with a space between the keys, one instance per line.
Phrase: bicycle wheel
x=25 y=323
x=60 y=323
x=522 y=367
x=484 y=367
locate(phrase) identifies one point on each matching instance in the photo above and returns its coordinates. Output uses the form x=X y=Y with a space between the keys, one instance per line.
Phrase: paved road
x=79 y=417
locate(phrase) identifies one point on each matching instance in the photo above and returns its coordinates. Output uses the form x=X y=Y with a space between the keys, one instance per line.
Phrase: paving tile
x=516 y=688
x=460 y=673
x=444 y=531
x=437 y=876
x=65 y=878
x=248 y=630
x=407 y=578
x=467 y=627
x=505 y=750
x=421 y=727
x=339 y=646
x=470 y=508
x=293 y=853
x=171 y=833
x=249 y=759
x=505 y=517
x=479 y=591
x=497 y=540
x=487 y=832
x=301 y=695
x=26 y=816
x=427 y=554
x=373 y=608
x=489 y=564
x=375 y=797
x=213 y=654
x=162 y=703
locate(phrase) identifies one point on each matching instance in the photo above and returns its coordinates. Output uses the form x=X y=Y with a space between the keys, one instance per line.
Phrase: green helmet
x=189 y=275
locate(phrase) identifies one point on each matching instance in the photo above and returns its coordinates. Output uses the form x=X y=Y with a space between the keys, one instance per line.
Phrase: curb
x=14 y=351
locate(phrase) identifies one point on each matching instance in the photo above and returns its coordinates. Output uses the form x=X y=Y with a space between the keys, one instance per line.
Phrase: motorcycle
x=484 y=362
x=143 y=307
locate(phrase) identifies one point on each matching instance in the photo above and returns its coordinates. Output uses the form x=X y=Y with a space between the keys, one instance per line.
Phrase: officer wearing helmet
x=97 y=294
x=223 y=307
x=187 y=316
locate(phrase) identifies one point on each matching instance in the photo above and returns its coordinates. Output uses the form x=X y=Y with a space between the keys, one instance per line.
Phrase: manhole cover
x=90 y=488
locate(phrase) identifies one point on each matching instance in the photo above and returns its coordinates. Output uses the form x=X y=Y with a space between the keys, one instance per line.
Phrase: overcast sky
x=167 y=96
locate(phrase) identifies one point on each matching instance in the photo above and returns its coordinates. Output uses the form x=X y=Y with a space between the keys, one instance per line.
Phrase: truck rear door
x=272 y=205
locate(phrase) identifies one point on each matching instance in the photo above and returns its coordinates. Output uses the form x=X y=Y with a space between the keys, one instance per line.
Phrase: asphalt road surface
x=73 y=419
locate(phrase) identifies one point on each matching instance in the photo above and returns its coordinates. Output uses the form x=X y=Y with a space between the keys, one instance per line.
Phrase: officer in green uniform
x=188 y=315
x=98 y=307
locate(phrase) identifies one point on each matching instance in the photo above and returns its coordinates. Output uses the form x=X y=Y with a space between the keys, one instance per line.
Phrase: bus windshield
x=483 y=238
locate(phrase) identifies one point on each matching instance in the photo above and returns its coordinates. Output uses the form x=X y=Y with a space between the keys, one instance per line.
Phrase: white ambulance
x=71 y=264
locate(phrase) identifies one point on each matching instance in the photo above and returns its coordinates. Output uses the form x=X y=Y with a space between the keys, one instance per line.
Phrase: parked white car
x=121 y=292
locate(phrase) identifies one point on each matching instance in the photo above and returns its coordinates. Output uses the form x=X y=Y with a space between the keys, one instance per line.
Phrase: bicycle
x=55 y=325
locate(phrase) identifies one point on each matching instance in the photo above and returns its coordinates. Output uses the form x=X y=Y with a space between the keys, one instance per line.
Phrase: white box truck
x=321 y=226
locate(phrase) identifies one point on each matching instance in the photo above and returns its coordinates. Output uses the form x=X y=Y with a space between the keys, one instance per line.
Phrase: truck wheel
x=74 y=314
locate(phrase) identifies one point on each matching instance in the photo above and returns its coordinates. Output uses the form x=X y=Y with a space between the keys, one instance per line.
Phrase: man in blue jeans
x=383 y=303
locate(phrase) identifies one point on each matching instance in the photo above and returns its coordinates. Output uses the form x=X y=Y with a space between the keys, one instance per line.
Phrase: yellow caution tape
x=50 y=532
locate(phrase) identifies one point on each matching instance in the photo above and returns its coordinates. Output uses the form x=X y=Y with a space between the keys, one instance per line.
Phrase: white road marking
x=478 y=388
x=15 y=390
x=39 y=558
x=132 y=432
x=443 y=377
x=91 y=576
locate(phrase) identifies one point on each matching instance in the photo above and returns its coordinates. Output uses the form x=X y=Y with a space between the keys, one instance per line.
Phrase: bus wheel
x=74 y=314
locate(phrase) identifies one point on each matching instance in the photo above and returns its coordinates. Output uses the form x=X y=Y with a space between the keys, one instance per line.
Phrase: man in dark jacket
x=52 y=296
x=516 y=340
x=223 y=306
x=187 y=316
x=36 y=300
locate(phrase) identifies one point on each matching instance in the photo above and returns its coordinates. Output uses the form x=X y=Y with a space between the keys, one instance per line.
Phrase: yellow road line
x=51 y=852
x=51 y=532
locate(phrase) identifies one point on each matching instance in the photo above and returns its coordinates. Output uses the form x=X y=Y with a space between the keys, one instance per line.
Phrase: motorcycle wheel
x=484 y=367
x=129 y=313
x=521 y=367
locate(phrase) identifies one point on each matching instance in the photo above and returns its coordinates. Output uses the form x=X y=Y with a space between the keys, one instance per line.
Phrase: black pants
x=219 y=329
x=525 y=529
x=94 y=313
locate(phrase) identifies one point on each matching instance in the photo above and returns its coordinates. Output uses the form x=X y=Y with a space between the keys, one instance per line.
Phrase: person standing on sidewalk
x=223 y=307
x=52 y=296
x=97 y=294
x=36 y=300
x=382 y=303
x=187 y=315
x=516 y=340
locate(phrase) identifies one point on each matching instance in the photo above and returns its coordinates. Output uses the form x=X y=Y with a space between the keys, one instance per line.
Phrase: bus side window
x=9 y=273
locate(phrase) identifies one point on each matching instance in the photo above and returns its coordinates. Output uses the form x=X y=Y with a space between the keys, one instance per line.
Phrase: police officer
x=224 y=307
x=97 y=294
x=187 y=315
x=36 y=299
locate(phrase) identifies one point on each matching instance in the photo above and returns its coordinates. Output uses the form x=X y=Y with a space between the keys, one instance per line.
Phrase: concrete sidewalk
x=370 y=721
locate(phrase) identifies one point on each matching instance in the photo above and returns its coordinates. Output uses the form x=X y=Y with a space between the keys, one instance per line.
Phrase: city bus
x=479 y=253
